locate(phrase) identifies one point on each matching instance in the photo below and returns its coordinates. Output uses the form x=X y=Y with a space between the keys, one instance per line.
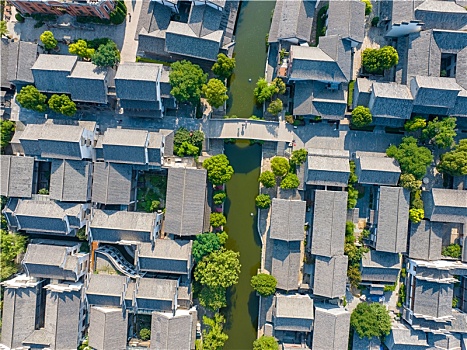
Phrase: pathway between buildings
x=130 y=45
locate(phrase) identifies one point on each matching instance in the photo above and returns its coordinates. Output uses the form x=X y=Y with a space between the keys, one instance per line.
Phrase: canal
x=250 y=53
x=242 y=310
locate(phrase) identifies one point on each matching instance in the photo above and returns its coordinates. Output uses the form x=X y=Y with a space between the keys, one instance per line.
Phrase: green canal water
x=242 y=310
x=250 y=53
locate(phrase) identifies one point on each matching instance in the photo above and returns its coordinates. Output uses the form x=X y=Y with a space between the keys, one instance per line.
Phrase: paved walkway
x=130 y=45
x=249 y=130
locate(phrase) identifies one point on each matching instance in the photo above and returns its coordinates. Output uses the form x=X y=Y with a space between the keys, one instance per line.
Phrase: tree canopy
x=187 y=80
x=290 y=181
x=30 y=98
x=352 y=197
x=281 y=88
x=455 y=161
x=267 y=178
x=263 y=201
x=264 y=91
x=219 y=269
x=62 y=104
x=371 y=320
x=368 y=7
x=80 y=48
x=361 y=116
x=3 y=28
x=441 y=132
x=219 y=197
x=214 y=338
x=48 y=40
x=219 y=169
x=377 y=60
x=299 y=157
x=414 y=124
x=416 y=215
x=213 y=298
x=217 y=219
x=413 y=159
x=204 y=245
x=265 y=342
x=275 y=107
x=106 y=55
x=11 y=245
x=280 y=166
x=183 y=136
x=264 y=284
x=224 y=66
x=215 y=92
x=452 y=250
x=7 y=128
x=409 y=182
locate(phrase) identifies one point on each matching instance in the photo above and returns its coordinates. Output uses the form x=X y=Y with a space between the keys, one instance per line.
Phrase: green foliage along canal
x=242 y=309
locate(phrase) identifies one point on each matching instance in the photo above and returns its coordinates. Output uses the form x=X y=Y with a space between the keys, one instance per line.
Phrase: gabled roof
x=434 y=92
x=88 y=83
x=105 y=285
x=107 y=328
x=390 y=100
x=445 y=205
x=286 y=264
x=328 y=167
x=293 y=312
x=125 y=146
x=347 y=19
x=112 y=183
x=330 y=276
x=51 y=72
x=331 y=327
x=287 y=220
x=155 y=294
x=432 y=300
x=17 y=174
x=165 y=256
x=21 y=56
x=186 y=195
x=292 y=20
x=340 y=50
x=70 y=180
x=380 y=266
x=376 y=169
x=173 y=331
x=329 y=215
x=441 y=14
x=137 y=81
x=392 y=219
x=426 y=240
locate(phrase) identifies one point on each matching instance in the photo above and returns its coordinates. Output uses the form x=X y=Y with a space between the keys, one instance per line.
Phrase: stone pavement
x=130 y=45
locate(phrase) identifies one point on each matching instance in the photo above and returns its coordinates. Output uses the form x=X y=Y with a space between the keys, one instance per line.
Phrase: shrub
x=62 y=104
x=264 y=91
x=416 y=215
x=19 y=17
x=452 y=250
x=145 y=334
x=267 y=178
x=414 y=124
x=219 y=197
x=352 y=197
x=48 y=40
x=361 y=116
x=80 y=48
x=409 y=182
x=280 y=166
x=7 y=128
x=265 y=342
x=275 y=107
x=368 y=7
x=403 y=272
x=154 y=206
x=30 y=98
x=264 y=284
x=290 y=181
x=375 y=21
x=299 y=157
x=263 y=201
x=219 y=169
x=215 y=92
x=416 y=201
x=43 y=191
x=217 y=220
x=224 y=66
x=390 y=288
x=350 y=95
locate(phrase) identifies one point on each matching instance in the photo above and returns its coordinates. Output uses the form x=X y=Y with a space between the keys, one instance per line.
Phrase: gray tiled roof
x=426 y=240
x=51 y=72
x=380 y=266
x=362 y=92
x=186 y=194
x=328 y=230
x=293 y=312
x=165 y=256
x=88 y=83
x=286 y=264
x=204 y=20
x=446 y=341
x=402 y=337
x=329 y=168
x=331 y=327
x=107 y=328
x=70 y=180
x=105 y=290
x=445 y=205
x=8 y=50
x=112 y=183
x=444 y=15
x=287 y=219
x=137 y=81
x=377 y=169
x=460 y=108
x=17 y=60
x=170 y=331
x=156 y=294
x=365 y=343
x=112 y=226
x=347 y=19
x=312 y=63
x=330 y=276
x=392 y=219
x=390 y=100
x=155 y=144
x=17 y=174
x=432 y=299
x=125 y=145
x=292 y=20
x=340 y=50
x=437 y=92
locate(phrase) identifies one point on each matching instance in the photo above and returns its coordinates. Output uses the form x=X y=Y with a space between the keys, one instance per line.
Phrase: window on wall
x=448 y=65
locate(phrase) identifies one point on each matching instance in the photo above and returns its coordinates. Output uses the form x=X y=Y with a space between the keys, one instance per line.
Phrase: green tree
x=441 y=132
x=219 y=269
x=280 y=86
x=455 y=161
x=377 y=60
x=80 y=48
x=217 y=219
x=352 y=176
x=412 y=158
x=7 y=128
x=264 y=91
x=187 y=149
x=263 y=201
x=290 y=181
x=219 y=197
x=264 y=284
x=182 y=135
x=416 y=215
x=219 y=169
x=268 y=179
x=414 y=124
x=11 y=246
x=48 y=40
x=275 y=107
x=354 y=275
x=204 y=245
x=352 y=197
x=3 y=29
x=43 y=191
x=453 y=250
x=154 y=206
x=299 y=157
x=62 y=104
x=106 y=55
x=30 y=98
x=213 y=298
x=145 y=334
x=368 y=7
x=224 y=66
x=215 y=338
x=215 y=92
x=361 y=116
x=265 y=342
x=409 y=182
x=187 y=80
x=280 y=166
x=371 y=320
